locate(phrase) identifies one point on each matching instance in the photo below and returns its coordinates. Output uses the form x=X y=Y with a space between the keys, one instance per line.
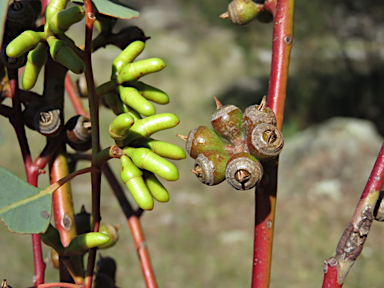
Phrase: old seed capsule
x=203 y=138
x=106 y=265
x=241 y=12
x=78 y=130
x=83 y=221
x=265 y=141
x=210 y=167
x=227 y=121
x=256 y=114
x=243 y=171
x=46 y=120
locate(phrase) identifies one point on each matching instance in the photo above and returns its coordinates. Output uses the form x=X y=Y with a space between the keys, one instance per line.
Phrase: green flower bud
x=150 y=93
x=131 y=97
x=161 y=148
x=54 y=6
x=127 y=56
x=132 y=178
x=158 y=191
x=23 y=43
x=146 y=127
x=62 y=20
x=134 y=71
x=112 y=233
x=82 y=243
x=119 y=127
x=35 y=61
x=62 y=53
x=144 y=158
x=51 y=237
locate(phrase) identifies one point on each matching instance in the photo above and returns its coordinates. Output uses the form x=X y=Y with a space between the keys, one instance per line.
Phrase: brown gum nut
x=265 y=141
x=210 y=167
x=77 y=129
x=243 y=171
x=202 y=139
x=253 y=116
x=227 y=122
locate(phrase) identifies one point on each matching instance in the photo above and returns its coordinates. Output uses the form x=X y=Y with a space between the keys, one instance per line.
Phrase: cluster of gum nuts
x=253 y=139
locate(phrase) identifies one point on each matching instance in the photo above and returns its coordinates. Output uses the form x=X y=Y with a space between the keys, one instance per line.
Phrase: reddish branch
x=31 y=170
x=75 y=99
x=94 y=113
x=352 y=241
x=266 y=195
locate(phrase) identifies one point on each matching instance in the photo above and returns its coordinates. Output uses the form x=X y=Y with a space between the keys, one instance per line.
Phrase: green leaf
x=115 y=9
x=3 y=16
x=23 y=207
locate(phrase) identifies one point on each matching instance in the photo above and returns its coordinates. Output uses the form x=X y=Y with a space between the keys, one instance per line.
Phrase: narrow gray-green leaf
x=115 y=9
x=3 y=16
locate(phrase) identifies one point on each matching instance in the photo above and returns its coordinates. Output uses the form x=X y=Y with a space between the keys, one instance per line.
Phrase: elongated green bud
x=114 y=103
x=127 y=56
x=151 y=93
x=134 y=71
x=112 y=233
x=55 y=6
x=131 y=97
x=158 y=191
x=62 y=20
x=36 y=60
x=82 y=243
x=119 y=127
x=146 y=127
x=51 y=237
x=132 y=178
x=62 y=53
x=23 y=43
x=161 y=148
x=144 y=158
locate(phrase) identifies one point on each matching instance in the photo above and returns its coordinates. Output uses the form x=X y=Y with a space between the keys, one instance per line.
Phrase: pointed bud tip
x=218 y=103
x=182 y=137
x=224 y=15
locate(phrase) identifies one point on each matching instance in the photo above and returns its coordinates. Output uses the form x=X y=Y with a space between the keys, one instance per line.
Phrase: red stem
x=75 y=99
x=265 y=205
x=32 y=172
x=56 y=284
x=94 y=113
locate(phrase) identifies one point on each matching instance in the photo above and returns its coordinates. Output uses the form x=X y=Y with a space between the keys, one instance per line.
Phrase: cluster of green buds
x=142 y=157
x=36 y=44
x=253 y=139
x=241 y=12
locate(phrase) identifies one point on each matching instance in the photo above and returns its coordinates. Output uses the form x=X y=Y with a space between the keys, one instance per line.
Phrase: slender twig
x=265 y=205
x=352 y=241
x=56 y=284
x=94 y=113
x=74 y=97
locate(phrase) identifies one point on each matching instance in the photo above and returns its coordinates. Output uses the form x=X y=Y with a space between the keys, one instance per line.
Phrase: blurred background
x=333 y=132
